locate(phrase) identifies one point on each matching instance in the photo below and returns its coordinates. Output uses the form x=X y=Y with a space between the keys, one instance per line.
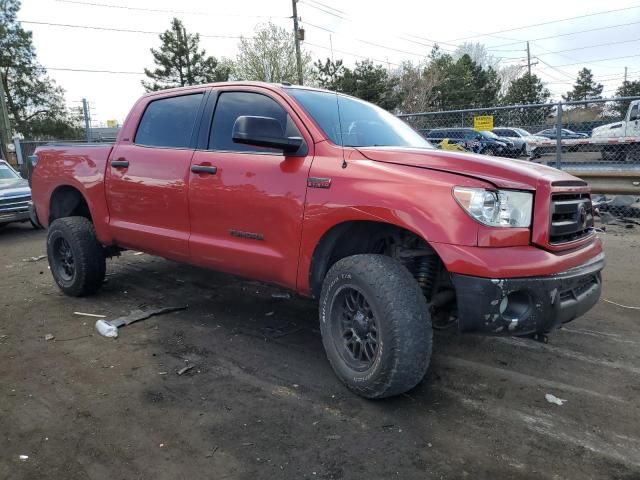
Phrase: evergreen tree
x=327 y=74
x=463 y=83
x=526 y=89
x=585 y=87
x=180 y=61
x=627 y=89
x=366 y=81
x=35 y=103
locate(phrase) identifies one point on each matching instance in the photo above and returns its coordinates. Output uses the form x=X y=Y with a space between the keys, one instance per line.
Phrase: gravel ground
x=262 y=402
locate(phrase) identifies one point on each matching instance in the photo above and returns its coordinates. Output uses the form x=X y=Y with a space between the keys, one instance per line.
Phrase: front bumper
x=526 y=305
x=9 y=217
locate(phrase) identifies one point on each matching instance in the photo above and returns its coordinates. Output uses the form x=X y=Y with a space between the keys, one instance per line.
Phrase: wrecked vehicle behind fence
x=338 y=200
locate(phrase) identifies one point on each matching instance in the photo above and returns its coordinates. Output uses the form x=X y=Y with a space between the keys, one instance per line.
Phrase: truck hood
x=14 y=187
x=501 y=172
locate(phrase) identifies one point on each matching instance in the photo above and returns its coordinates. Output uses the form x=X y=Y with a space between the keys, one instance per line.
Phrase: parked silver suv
x=15 y=197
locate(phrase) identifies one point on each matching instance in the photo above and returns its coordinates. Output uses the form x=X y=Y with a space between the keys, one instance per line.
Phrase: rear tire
x=75 y=256
x=375 y=325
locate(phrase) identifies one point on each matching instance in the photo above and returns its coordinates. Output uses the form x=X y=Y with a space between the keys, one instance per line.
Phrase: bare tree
x=269 y=56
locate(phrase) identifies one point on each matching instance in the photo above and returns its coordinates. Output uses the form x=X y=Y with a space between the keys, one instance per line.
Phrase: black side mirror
x=264 y=132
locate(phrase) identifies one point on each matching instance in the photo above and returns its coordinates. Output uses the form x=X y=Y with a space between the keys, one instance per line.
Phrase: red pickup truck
x=338 y=200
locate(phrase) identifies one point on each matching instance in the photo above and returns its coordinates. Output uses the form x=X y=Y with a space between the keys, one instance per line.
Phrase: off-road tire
x=87 y=253
x=404 y=324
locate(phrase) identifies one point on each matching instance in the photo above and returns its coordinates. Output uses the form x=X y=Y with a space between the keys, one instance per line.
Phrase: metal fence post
x=559 y=136
x=16 y=143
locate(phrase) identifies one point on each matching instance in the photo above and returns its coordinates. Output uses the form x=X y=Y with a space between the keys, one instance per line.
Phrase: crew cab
x=338 y=200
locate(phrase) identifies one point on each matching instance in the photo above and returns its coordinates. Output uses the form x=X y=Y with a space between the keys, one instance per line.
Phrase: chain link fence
x=597 y=140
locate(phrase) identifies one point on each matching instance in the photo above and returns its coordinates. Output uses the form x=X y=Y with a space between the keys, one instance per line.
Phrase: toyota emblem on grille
x=582 y=215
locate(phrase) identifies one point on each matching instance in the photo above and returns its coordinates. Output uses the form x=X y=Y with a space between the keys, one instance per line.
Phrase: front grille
x=577 y=290
x=571 y=217
x=14 y=204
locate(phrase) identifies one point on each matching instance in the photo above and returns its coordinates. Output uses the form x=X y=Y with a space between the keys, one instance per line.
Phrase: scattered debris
x=268 y=314
x=248 y=444
x=162 y=445
x=139 y=253
x=109 y=328
x=184 y=370
x=24 y=458
x=212 y=452
x=283 y=295
x=162 y=373
x=277 y=332
x=34 y=259
x=553 y=399
x=95 y=315
x=48 y=337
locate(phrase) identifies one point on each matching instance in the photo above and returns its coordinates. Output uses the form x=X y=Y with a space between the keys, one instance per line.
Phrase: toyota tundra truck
x=337 y=200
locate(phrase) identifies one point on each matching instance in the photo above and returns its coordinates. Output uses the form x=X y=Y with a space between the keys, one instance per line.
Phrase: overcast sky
x=402 y=30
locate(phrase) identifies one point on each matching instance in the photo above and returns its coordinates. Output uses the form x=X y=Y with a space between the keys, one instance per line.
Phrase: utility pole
x=625 y=75
x=5 y=126
x=87 y=121
x=296 y=36
x=528 y=60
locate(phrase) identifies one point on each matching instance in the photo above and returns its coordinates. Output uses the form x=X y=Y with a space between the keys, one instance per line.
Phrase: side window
x=633 y=114
x=232 y=105
x=169 y=122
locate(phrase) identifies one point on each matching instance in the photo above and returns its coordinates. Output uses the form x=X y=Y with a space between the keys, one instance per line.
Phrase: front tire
x=375 y=325
x=75 y=256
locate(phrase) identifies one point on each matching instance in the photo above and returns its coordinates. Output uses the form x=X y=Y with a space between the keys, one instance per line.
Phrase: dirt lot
x=262 y=401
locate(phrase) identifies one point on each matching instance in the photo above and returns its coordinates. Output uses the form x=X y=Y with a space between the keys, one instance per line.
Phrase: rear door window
x=169 y=122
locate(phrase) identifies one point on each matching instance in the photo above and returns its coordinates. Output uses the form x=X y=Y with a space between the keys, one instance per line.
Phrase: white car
x=523 y=140
x=626 y=131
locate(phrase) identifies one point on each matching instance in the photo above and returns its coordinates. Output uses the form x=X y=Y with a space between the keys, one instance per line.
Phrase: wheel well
x=358 y=237
x=67 y=201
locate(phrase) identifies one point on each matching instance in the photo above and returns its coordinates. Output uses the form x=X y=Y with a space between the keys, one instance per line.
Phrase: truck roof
x=269 y=85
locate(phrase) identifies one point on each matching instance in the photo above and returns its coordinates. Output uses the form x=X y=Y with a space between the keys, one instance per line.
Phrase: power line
x=353 y=54
x=159 y=10
x=122 y=30
x=590 y=46
x=327 y=6
x=563 y=35
x=592 y=61
x=86 y=70
x=549 y=22
x=329 y=12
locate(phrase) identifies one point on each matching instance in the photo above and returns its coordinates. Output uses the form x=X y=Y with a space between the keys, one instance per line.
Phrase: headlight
x=496 y=208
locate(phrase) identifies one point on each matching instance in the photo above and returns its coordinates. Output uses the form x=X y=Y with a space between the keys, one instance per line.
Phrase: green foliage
x=585 y=87
x=180 y=61
x=463 y=83
x=367 y=81
x=627 y=89
x=526 y=89
x=36 y=104
x=270 y=56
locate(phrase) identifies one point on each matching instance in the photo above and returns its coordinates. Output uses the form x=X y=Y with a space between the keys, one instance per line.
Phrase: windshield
x=363 y=124
x=490 y=135
x=6 y=172
x=522 y=132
